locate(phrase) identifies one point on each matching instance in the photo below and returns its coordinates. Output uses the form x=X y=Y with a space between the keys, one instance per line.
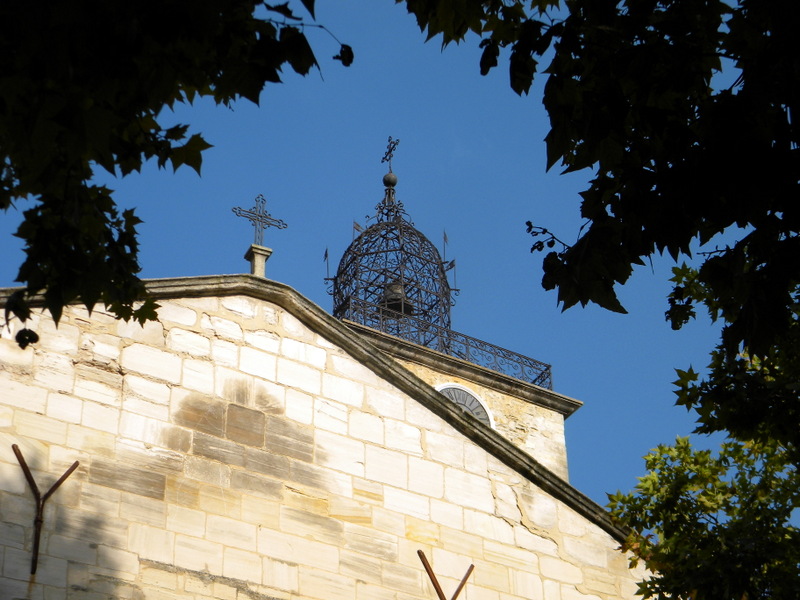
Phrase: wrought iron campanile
x=392 y=277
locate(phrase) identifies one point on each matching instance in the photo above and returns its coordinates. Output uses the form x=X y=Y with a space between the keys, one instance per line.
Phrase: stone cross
x=260 y=218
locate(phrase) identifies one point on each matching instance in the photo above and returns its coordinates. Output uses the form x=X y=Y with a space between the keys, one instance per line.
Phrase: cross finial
x=390 y=148
x=260 y=218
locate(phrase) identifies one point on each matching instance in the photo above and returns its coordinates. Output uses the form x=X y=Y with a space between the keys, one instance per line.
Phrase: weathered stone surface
x=289 y=439
x=201 y=413
x=135 y=480
x=245 y=426
x=253 y=484
x=218 y=449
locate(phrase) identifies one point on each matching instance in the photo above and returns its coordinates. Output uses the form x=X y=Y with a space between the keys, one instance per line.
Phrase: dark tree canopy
x=83 y=85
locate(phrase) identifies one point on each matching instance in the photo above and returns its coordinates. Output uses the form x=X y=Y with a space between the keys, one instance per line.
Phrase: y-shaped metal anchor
x=435 y=582
x=40 y=500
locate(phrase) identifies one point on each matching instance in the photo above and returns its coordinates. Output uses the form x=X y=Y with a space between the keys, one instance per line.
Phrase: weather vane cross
x=390 y=148
x=260 y=218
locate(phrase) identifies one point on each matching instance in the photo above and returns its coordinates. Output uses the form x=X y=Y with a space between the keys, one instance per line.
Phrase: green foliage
x=686 y=113
x=84 y=84
x=715 y=527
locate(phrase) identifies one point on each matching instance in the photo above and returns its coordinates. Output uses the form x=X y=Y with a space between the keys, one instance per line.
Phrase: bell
x=394 y=298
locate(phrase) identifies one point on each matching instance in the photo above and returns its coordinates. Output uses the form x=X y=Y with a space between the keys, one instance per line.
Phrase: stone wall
x=231 y=452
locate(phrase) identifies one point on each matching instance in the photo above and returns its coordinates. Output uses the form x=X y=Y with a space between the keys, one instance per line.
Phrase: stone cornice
x=411 y=352
x=369 y=354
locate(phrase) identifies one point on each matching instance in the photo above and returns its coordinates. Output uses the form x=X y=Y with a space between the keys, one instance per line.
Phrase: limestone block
x=152 y=543
x=117 y=560
x=369 y=591
x=256 y=485
x=152 y=362
x=294 y=328
x=350 y=511
x=418 y=415
x=241 y=565
x=299 y=407
x=101 y=347
x=510 y=556
x=368 y=541
x=231 y=532
x=86 y=437
x=98 y=391
x=266 y=463
x=365 y=426
x=539 y=509
x=321 y=585
x=385 y=403
x=446 y=514
x=55 y=372
x=535 y=542
x=388 y=521
x=182 y=340
x=585 y=552
x=403 y=579
x=63 y=407
x=526 y=585
x=447 y=449
x=217 y=449
x=552 y=589
x=359 y=567
x=488 y=526
x=61 y=338
x=263 y=512
x=70 y=548
x=303 y=352
x=492 y=575
x=297 y=375
x=11 y=355
x=425 y=477
x=170 y=312
x=468 y=490
x=386 y=466
x=449 y=564
x=198 y=375
x=406 y=503
x=297 y=550
x=201 y=413
x=339 y=452
x=403 y=437
x=268 y=341
x=342 y=390
x=279 y=574
x=137 y=509
x=424 y=532
x=181 y=519
x=224 y=353
x=570 y=523
x=560 y=570
x=127 y=478
x=144 y=408
x=20 y=395
x=245 y=426
x=151 y=333
x=7 y=417
x=349 y=368
x=367 y=491
x=224 y=328
x=320 y=528
x=287 y=438
x=475 y=459
x=569 y=592
x=198 y=554
x=258 y=363
x=40 y=427
x=241 y=305
x=318 y=478
x=330 y=415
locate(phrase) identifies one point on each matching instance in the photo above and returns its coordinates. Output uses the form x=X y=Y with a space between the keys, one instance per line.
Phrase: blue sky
x=471 y=161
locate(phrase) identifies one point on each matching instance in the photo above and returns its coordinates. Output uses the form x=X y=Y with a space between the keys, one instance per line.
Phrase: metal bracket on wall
x=435 y=582
x=40 y=500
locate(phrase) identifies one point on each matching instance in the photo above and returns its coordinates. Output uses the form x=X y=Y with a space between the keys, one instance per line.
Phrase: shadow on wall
x=77 y=556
